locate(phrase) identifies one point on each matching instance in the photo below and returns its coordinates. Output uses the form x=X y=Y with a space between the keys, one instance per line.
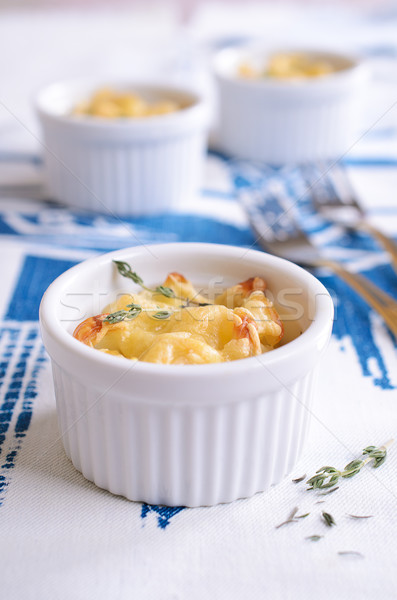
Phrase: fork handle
x=389 y=245
x=380 y=301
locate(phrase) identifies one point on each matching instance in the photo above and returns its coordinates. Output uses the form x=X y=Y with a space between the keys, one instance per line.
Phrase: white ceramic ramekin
x=287 y=121
x=184 y=435
x=130 y=166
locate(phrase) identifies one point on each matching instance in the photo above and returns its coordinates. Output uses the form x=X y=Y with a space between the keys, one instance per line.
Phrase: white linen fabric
x=62 y=537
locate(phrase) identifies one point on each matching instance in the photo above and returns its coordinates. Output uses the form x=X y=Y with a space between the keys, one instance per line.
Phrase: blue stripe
x=218 y=194
x=37 y=160
x=353 y=320
x=21 y=157
x=36 y=274
x=383 y=210
x=164 y=513
x=10 y=337
x=26 y=390
x=370 y=162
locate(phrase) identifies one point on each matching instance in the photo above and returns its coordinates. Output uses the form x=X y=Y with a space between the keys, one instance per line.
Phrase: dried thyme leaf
x=299 y=479
x=329 y=491
x=291 y=518
x=329 y=519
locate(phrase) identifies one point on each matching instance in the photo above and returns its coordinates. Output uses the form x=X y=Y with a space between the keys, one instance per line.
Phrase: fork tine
x=341 y=205
x=296 y=246
x=319 y=185
x=342 y=186
x=274 y=225
x=329 y=185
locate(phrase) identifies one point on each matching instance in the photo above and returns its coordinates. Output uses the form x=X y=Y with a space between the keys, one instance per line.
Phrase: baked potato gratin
x=111 y=104
x=174 y=324
x=289 y=65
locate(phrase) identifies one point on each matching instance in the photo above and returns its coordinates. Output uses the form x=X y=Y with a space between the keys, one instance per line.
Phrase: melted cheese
x=110 y=104
x=242 y=323
x=290 y=66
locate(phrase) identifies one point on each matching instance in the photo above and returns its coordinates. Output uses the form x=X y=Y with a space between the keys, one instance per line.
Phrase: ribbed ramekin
x=131 y=166
x=185 y=435
x=288 y=121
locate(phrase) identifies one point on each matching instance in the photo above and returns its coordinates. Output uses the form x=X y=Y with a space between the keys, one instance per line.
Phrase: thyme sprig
x=133 y=312
x=328 y=477
x=125 y=270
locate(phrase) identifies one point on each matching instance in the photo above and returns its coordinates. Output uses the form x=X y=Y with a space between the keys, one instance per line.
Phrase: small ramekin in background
x=288 y=121
x=187 y=435
x=129 y=166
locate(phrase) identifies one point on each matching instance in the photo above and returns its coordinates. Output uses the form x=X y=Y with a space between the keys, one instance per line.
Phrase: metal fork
x=272 y=219
x=335 y=199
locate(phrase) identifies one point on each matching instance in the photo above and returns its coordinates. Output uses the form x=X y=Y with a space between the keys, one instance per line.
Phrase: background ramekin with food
x=185 y=434
x=125 y=148
x=288 y=106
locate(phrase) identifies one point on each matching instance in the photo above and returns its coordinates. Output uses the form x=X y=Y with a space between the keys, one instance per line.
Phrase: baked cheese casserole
x=111 y=104
x=174 y=324
x=290 y=65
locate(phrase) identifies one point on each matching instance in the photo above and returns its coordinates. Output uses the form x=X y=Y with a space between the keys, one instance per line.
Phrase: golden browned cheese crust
x=242 y=323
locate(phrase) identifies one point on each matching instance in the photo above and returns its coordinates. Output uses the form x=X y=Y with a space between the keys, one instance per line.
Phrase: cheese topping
x=110 y=104
x=289 y=65
x=241 y=323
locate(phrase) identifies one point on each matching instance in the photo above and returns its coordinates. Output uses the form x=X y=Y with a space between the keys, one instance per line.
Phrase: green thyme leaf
x=378 y=454
x=352 y=468
x=116 y=317
x=327 y=477
x=162 y=314
x=328 y=470
x=350 y=553
x=329 y=519
x=334 y=479
x=130 y=316
x=125 y=270
x=314 y=538
x=124 y=315
x=165 y=291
